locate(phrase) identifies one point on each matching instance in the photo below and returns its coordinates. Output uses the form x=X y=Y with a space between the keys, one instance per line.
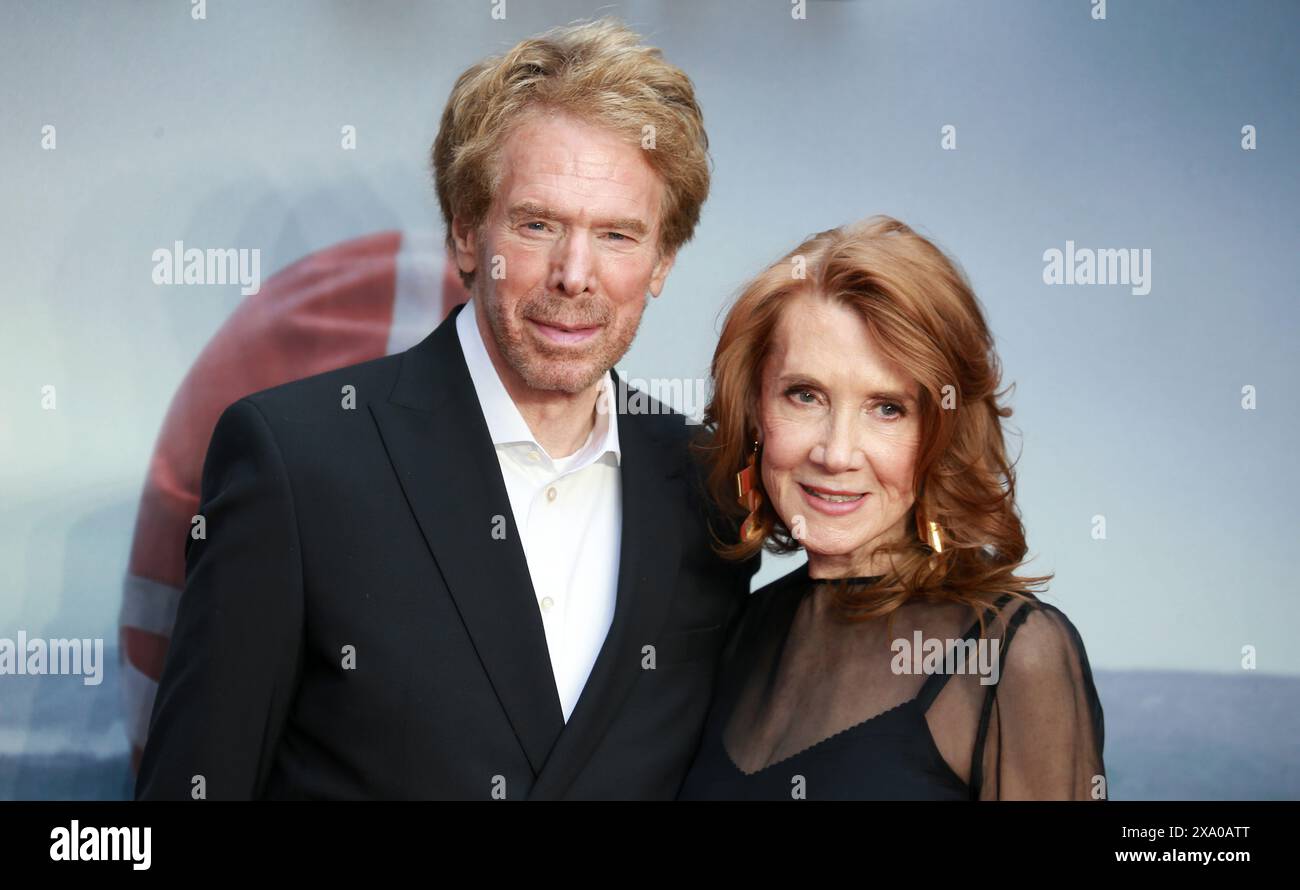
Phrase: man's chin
x=549 y=375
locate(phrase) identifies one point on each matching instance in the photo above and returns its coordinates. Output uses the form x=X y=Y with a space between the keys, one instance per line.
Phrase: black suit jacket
x=371 y=528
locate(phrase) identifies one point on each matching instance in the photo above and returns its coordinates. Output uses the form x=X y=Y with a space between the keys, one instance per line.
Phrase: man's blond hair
x=599 y=72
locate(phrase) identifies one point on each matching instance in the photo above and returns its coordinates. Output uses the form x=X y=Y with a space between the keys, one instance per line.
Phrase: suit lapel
x=436 y=437
x=649 y=554
x=433 y=429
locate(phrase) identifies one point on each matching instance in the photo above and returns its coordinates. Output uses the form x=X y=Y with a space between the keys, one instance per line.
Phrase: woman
x=855 y=416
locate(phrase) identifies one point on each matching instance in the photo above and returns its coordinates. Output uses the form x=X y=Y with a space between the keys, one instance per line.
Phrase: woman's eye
x=798 y=392
x=898 y=410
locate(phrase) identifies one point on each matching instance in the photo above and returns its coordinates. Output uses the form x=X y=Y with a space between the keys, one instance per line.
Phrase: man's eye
x=541 y=226
x=617 y=236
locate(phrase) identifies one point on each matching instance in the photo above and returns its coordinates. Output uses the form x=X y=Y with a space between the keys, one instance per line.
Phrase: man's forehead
x=568 y=178
x=568 y=157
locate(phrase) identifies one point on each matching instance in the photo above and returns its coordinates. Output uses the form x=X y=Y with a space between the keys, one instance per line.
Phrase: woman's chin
x=831 y=546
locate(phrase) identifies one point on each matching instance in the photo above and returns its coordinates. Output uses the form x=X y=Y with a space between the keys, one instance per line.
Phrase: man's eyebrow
x=624 y=224
x=531 y=210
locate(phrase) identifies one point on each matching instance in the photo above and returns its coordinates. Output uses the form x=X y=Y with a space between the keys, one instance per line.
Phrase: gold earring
x=749 y=496
x=929 y=531
x=936 y=536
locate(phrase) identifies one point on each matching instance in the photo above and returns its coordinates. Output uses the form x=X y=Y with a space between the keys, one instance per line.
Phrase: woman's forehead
x=832 y=342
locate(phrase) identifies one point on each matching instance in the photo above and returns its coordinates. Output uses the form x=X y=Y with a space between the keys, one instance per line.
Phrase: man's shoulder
x=329 y=395
x=677 y=436
x=665 y=423
x=794 y=579
x=793 y=583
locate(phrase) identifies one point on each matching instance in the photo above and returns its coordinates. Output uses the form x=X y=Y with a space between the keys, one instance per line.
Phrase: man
x=460 y=572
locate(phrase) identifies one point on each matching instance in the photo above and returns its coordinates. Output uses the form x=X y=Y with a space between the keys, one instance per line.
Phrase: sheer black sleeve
x=1041 y=731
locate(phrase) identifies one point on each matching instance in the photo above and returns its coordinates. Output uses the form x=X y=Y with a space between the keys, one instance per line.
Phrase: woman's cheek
x=772 y=468
x=786 y=441
x=897 y=459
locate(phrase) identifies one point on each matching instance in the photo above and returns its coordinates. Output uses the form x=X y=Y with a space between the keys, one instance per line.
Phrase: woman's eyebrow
x=891 y=395
x=810 y=380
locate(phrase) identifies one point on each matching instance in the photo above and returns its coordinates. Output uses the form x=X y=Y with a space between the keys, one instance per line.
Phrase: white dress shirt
x=569 y=514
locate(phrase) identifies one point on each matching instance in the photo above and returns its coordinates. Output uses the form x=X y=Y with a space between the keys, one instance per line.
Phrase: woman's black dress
x=809 y=706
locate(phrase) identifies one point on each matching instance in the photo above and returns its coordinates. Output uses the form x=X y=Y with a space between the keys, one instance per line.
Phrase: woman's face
x=839 y=428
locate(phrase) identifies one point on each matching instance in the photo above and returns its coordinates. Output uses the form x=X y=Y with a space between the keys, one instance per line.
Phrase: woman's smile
x=834 y=502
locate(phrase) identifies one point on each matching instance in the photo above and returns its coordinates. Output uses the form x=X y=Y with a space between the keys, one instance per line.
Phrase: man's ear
x=661 y=270
x=465 y=239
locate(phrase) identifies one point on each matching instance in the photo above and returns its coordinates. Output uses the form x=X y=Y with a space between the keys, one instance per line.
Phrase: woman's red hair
x=925 y=318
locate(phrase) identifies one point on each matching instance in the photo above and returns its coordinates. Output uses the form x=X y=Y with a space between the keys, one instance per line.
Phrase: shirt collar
x=505 y=424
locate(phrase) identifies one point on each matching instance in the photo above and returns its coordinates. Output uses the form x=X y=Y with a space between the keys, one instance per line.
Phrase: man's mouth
x=558 y=332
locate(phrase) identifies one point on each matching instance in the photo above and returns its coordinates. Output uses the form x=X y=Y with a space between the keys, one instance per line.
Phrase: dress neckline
x=855 y=579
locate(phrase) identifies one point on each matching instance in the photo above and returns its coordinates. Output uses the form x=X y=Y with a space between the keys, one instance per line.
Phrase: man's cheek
x=524 y=273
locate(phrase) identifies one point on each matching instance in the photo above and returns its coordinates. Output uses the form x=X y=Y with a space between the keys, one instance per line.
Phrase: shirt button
x=551 y=493
x=534 y=456
x=547 y=603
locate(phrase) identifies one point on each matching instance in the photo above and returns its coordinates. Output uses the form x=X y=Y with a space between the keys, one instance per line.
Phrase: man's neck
x=560 y=421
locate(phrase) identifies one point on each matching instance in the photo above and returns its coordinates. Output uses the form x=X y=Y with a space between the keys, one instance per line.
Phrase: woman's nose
x=839 y=449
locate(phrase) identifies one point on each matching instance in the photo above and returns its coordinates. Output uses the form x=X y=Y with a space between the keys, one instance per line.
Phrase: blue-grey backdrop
x=1125 y=132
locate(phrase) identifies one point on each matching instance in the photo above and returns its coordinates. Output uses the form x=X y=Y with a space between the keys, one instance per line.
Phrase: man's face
x=567 y=253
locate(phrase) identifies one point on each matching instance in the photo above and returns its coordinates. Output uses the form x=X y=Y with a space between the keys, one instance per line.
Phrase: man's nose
x=573 y=264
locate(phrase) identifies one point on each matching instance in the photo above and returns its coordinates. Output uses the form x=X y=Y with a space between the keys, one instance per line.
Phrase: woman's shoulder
x=1041 y=638
x=1032 y=609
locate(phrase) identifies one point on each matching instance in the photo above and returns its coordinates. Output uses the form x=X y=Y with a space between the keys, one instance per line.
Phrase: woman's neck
x=865 y=562
x=825 y=567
